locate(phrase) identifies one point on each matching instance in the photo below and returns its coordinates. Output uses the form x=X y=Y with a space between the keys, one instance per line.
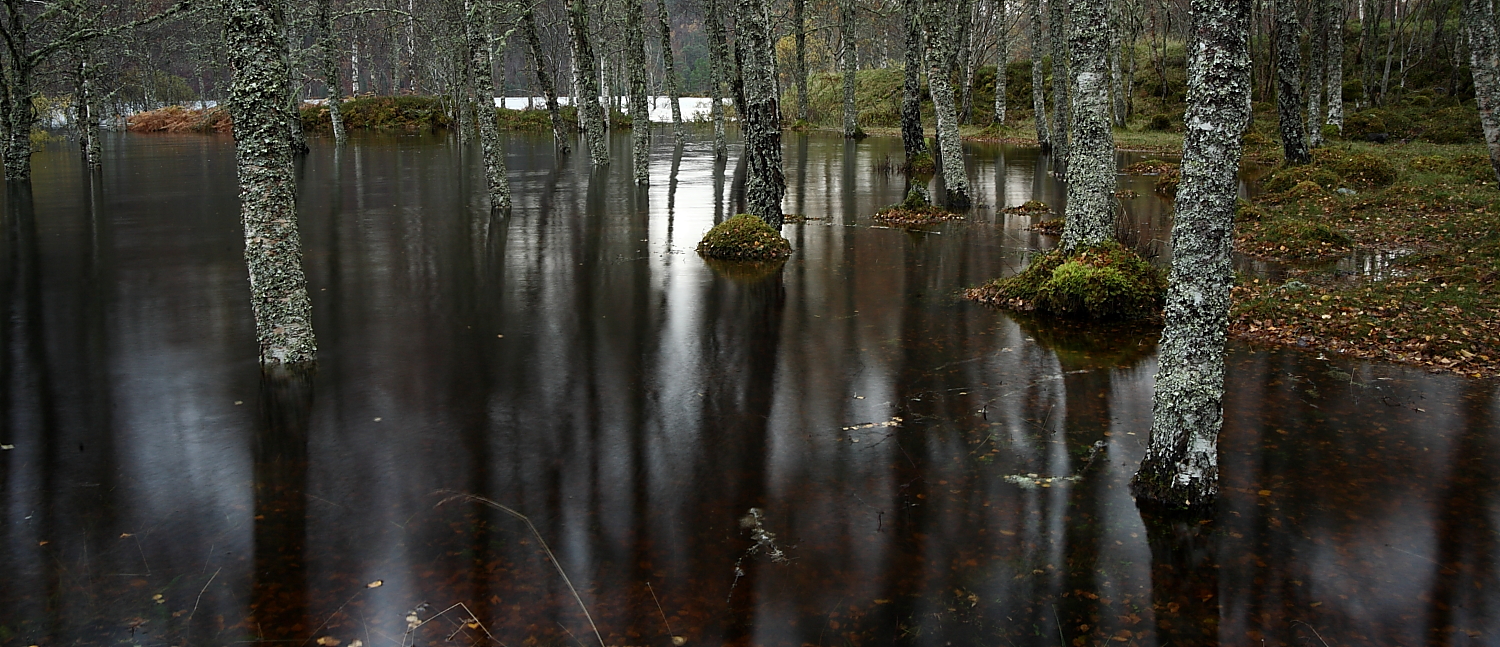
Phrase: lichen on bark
x=1061 y=107
x=255 y=40
x=1180 y=469
x=544 y=81
x=1484 y=63
x=937 y=26
x=1038 y=83
x=850 y=67
x=761 y=119
x=1091 y=157
x=912 y=139
x=586 y=83
x=479 y=36
x=718 y=68
x=640 y=110
x=669 y=66
x=1288 y=80
x=1002 y=60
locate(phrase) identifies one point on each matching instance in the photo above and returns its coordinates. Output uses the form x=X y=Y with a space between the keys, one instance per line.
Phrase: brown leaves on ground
x=177 y=119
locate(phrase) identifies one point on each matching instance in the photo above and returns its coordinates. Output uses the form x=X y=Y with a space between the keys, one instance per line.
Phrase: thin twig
x=1060 y=639
x=200 y=594
x=471 y=497
x=1315 y=632
x=660 y=610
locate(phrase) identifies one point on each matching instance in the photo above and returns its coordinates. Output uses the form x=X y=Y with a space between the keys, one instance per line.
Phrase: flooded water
x=579 y=365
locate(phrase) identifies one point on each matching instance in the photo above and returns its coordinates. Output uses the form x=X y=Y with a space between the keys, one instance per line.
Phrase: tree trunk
x=761 y=116
x=544 y=81
x=664 y=28
x=591 y=118
x=1288 y=77
x=640 y=110
x=850 y=64
x=718 y=69
x=1038 y=79
x=1484 y=62
x=1316 y=66
x=1002 y=61
x=1335 y=11
x=1181 y=464
x=939 y=55
x=1091 y=163
x=256 y=40
x=87 y=113
x=799 y=31
x=296 y=138
x=20 y=116
x=912 y=137
x=1061 y=108
x=477 y=28
x=331 y=76
x=966 y=64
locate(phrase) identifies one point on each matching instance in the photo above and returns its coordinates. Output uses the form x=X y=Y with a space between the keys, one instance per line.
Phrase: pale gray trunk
x=640 y=110
x=1002 y=60
x=591 y=119
x=296 y=138
x=1180 y=469
x=799 y=31
x=1116 y=78
x=1091 y=162
x=664 y=29
x=1484 y=62
x=477 y=28
x=255 y=37
x=966 y=62
x=1335 y=11
x=1061 y=107
x=913 y=140
x=765 y=184
x=1288 y=77
x=1316 y=66
x=354 y=66
x=544 y=81
x=846 y=54
x=331 y=76
x=1038 y=79
x=939 y=55
x=87 y=113
x=718 y=69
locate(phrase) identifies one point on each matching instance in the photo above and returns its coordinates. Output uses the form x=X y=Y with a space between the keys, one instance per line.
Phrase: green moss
x=1359 y=125
x=1297 y=238
x=744 y=238
x=917 y=197
x=1363 y=169
x=1246 y=211
x=1106 y=282
x=381 y=113
x=1455 y=125
x=1285 y=178
x=920 y=165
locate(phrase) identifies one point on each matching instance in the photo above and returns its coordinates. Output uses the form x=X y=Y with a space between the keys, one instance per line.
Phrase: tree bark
x=591 y=118
x=296 y=138
x=1288 y=78
x=1061 y=108
x=477 y=28
x=1316 y=66
x=640 y=110
x=761 y=117
x=799 y=32
x=544 y=81
x=1484 y=63
x=1038 y=79
x=1002 y=61
x=256 y=41
x=331 y=69
x=939 y=55
x=850 y=64
x=86 y=111
x=718 y=69
x=1180 y=469
x=664 y=29
x=913 y=140
x=1335 y=11
x=1091 y=162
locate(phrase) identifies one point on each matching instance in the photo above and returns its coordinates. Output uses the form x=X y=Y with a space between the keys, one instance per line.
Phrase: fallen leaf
x=357 y=643
x=329 y=641
x=1264 y=493
x=373 y=585
x=7 y=447
x=679 y=641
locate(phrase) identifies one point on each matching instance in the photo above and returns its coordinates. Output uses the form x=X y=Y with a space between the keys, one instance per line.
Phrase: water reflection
x=577 y=362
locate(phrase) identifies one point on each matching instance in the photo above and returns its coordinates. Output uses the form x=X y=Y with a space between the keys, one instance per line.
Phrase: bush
x=1160 y=122
x=744 y=238
x=1285 y=178
x=1103 y=282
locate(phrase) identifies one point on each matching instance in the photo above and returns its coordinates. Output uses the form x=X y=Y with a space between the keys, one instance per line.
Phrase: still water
x=580 y=365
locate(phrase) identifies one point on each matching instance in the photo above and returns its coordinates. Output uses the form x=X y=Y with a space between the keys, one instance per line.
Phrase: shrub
x=1107 y=281
x=744 y=238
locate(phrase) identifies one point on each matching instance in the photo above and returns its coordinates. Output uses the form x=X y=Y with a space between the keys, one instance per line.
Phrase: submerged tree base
x=1106 y=282
x=744 y=238
x=916 y=210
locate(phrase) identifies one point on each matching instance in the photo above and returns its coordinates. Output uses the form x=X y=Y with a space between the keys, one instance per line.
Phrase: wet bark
x=913 y=140
x=1061 y=107
x=1484 y=63
x=1316 y=66
x=255 y=38
x=664 y=29
x=331 y=69
x=1335 y=11
x=846 y=54
x=1002 y=60
x=718 y=69
x=966 y=62
x=478 y=32
x=1288 y=78
x=1091 y=161
x=761 y=117
x=1038 y=82
x=296 y=137
x=1181 y=469
x=86 y=111
x=799 y=32
x=640 y=110
x=544 y=81
x=938 y=29
x=586 y=83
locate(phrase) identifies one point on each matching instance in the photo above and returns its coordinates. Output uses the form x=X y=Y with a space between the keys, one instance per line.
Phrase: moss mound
x=1107 y=282
x=1365 y=169
x=744 y=238
x=1284 y=179
x=1293 y=239
x=1470 y=167
x=377 y=113
x=915 y=210
x=1053 y=227
x=1031 y=206
x=920 y=165
x=1149 y=167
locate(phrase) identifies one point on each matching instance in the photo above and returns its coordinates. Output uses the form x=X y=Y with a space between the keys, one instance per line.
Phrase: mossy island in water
x=744 y=238
x=916 y=210
x=1105 y=282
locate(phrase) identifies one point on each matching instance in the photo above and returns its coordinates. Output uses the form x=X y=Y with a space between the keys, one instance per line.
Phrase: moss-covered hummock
x=744 y=238
x=915 y=210
x=920 y=165
x=1107 y=282
x=380 y=113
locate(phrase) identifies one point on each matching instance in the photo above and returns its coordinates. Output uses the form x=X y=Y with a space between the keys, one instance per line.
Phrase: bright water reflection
x=579 y=363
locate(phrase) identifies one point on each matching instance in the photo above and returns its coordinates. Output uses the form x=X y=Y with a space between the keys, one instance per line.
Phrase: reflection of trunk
x=1288 y=76
x=273 y=247
x=1038 y=85
x=280 y=459
x=1466 y=534
x=1184 y=579
x=761 y=117
x=1484 y=63
x=640 y=121
x=1091 y=154
x=1181 y=463
x=495 y=175
x=585 y=83
x=938 y=26
x=846 y=55
x=912 y=138
x=544 y=81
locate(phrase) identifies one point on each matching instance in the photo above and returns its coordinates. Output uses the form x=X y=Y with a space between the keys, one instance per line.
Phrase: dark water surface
x=579 y=364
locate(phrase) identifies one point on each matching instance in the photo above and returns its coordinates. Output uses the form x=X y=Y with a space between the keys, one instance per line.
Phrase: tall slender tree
x=1061 y=106
x=1038 y=78
x=1002 y=59
x=479 y=33
x=1484 y=63
x=669 y=67
x=765 y=185
x=328 y=45
x=1288 y=80
x=799 y=33
x=591 y=118
x=847 y=33
x=912 y=138
x=1316 y=69
x=255 y=38
x=1181 y=465
x=640 y=110
x=1091 y=162
x=1335 y=12
x=718 y=71
x=544 y=80
x=938 y=28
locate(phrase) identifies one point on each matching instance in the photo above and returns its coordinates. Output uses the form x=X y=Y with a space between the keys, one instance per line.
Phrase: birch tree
x=938 y=29
x=1335 y=17
x=328 y=45
x=913 y=140
x=1484 y=63
x=1091 y=162
x=591 y=116
x=1181 y=464
x=718 y=67
x=1288 y=80
x=1061 y=108
x=640 y=111
x=1317 y=66
x=544 y=80
x=799 y=33
x=664 y=29
x=1038 y=82
x=479 y=35
x=1002 y=59
x=846 y=56
x=761 y=118
x=255 y=36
